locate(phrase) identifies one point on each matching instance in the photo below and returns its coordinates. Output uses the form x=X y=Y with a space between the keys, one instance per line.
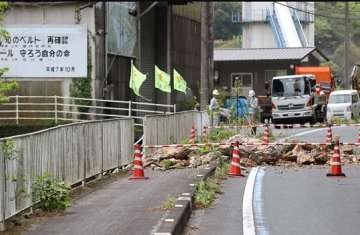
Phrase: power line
x=316 y=14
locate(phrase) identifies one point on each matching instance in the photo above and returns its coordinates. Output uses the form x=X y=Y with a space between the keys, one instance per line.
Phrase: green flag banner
x=162 y=80
x=179 y=82
x=136 y=79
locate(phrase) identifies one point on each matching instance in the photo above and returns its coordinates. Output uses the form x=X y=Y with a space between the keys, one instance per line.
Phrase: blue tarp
x=242 y=106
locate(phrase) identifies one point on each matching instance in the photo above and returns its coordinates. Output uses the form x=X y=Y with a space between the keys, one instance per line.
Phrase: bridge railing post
x=17 y=109
x=129 y=108
x=55 y=109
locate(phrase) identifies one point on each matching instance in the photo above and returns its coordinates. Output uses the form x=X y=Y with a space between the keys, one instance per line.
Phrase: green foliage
x=52 y=194
x=203 y=150
x=9 y=149
x=205 y=193
x=224 y=28
x=235 y=42
x=5 y=86
x=222 y=170
x=81 y=88
x=217 y=135
x=170 y=203
x=188 y=104
x=329 y=34
x=167 y=164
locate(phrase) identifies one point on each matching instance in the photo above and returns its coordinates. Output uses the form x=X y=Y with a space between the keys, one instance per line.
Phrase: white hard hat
x=251 y=93
x=215 y=92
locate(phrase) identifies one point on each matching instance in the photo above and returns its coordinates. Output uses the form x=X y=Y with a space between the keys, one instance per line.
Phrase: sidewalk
x=121 y=207
x=225 y=216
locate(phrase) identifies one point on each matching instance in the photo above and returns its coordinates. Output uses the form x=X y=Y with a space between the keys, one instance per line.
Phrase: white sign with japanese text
x=44 y=51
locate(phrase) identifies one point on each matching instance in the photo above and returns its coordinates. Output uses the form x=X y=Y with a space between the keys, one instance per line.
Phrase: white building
x=268 y=24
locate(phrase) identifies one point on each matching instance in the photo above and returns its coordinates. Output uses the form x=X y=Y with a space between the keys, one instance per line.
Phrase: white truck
x=294 y=100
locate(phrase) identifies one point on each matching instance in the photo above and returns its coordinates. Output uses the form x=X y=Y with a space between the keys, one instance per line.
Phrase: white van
x=343 y=104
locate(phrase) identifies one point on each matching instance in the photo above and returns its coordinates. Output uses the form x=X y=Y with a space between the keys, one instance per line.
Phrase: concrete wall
x=55 y=13
x=257 y=32
x=258 y=35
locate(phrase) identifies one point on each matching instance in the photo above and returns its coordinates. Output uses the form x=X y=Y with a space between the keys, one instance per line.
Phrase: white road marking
x=307 y=132
x=248 y=215
x=258 y=204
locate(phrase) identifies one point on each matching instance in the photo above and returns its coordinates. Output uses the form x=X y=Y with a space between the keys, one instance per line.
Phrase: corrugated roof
x=251 y=54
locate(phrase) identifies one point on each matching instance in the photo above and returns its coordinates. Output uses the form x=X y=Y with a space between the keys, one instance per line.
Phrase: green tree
x=6 y=87
x=329 y=33
x=224 y=28
x=81 y=88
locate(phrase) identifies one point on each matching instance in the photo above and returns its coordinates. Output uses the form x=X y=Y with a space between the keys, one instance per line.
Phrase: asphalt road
x=305 y=201
x=121 y=207
x=287 y=201
x=224 y=216
x=317 y=135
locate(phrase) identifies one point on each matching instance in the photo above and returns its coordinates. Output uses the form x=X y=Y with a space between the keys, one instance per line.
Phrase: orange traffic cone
x=203 y=137
x=234 y=170
x=192 y=135
x=266 y=135
x=138 y=172
x=335 y=163
x=329 y=136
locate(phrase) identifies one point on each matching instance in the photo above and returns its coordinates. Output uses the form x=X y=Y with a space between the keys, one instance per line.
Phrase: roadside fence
x=59 y=108
x=72 y=153
x=283 y=126
x=173 y=128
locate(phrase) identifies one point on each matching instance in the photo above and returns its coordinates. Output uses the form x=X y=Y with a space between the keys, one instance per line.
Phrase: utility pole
x=204 y=73
x=211 y=45
x=347 y=83
x=138 y=24
x=170 y=97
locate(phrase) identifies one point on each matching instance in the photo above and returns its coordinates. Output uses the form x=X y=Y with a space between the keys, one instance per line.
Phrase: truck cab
x=294 y=100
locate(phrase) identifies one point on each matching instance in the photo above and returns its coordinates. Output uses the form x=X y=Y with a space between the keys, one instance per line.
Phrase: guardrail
x=166 y=129
x=77 y=109
x=72 y=153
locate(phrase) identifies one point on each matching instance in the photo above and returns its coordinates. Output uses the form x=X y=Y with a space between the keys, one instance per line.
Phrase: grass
x=338 y=121
x=167 y=164
x=169 y=203
x=206 y=190
x=217 y=135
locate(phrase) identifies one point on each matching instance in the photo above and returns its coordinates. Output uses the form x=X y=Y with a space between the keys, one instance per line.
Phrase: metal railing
x=60 y=108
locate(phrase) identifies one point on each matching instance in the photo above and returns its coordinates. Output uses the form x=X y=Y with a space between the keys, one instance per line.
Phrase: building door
x=245 y=81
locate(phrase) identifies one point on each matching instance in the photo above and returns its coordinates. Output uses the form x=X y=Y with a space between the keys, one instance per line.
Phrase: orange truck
x=323 y=77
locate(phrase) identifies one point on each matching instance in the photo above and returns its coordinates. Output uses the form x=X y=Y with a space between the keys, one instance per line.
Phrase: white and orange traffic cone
x=204 y=133
x=329 y=138
x=266 y=135
x=235 y=170
x=335 y=163
x=138 y=172
x=192 y=135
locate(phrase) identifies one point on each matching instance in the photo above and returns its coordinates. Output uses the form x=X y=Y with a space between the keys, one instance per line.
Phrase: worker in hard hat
x=253 y=107
x=214 y=108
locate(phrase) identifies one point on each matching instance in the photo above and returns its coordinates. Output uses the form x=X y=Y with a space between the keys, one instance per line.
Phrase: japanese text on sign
x=44 y=51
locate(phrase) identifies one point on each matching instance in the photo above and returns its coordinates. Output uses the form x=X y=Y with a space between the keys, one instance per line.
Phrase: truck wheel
x=312 y=120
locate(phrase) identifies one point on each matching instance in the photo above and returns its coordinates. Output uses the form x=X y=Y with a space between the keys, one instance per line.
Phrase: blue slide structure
x=286 y=27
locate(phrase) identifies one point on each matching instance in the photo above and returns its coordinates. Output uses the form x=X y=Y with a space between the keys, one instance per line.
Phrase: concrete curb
x=174 y=223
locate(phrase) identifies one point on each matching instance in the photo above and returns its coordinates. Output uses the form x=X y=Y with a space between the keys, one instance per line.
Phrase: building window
x=245 y=82
x=235 y=17
x=269 y=74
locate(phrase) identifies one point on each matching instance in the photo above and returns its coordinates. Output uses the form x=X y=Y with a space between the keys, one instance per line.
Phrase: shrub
x=52 y=194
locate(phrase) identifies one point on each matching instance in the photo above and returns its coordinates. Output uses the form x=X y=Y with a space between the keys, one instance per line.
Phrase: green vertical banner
x=162 y=80
x=136 y=79
x=179 y=82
